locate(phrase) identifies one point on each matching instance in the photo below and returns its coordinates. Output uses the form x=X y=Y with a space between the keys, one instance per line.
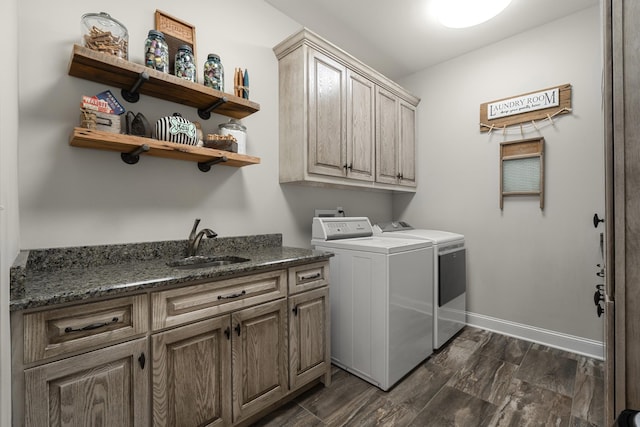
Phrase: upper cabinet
x=395 y=139
x=341 y=122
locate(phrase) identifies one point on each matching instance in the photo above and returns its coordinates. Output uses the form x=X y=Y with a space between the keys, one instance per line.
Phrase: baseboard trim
x=571 y=343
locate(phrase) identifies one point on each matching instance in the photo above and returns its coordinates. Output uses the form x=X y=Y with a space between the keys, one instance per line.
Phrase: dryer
x=449 y=275
x=381 y=299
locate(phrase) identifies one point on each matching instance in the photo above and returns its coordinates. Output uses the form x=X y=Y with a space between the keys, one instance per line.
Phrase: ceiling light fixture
x=467 y=13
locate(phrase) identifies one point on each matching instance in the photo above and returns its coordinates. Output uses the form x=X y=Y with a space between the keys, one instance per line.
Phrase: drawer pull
x=238 y=329
x=232 y=295
x=69 y=329
x=310 y=276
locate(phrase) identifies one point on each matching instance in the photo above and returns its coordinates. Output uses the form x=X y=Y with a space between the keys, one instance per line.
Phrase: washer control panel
x=341 y=228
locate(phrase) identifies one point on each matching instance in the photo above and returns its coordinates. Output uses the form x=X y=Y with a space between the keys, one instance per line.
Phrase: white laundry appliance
x=381 y=299
x=449 y=275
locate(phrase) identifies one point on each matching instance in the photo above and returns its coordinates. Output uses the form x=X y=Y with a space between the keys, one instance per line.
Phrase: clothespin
x=521 y=130
x=490 y=129
x=504 y=130
x=549 y=117
x=533 y=122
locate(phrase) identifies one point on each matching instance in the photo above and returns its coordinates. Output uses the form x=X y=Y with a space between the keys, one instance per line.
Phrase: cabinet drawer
x=182 y=305
x=59 y=331
x=308 y=276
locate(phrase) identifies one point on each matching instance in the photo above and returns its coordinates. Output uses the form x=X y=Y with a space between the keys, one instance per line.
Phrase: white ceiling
x=401 y=37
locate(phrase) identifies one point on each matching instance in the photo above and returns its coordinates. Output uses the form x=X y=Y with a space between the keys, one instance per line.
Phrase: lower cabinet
x=217 y=354
x=191 y=374
x=107 y=387
x=221 y=370
x=309 y=356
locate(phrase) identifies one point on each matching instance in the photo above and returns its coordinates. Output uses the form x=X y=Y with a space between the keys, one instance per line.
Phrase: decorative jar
x=239 y=131
x=102 y=33
x=156 y=51
x=185 y=66
x=214 y=73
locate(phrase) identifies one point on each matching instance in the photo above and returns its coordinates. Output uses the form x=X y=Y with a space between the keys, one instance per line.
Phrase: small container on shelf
x=156 y=51
x=214 y=73
x=221 y=142
x=236 y=129
x=185 y=66
x=102 y=33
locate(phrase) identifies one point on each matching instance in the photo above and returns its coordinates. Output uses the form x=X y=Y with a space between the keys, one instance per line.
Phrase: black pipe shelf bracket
x=205 y=113
x=206 y=166
x=132 y=95
x=133 y=157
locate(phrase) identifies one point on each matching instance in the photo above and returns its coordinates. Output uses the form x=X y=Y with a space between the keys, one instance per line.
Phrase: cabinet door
x=327 y=113
x=107 y=387
x=192 y=375
x=386 y=137
x=259 y=357
x=309 y=349
x=407 y=144
x=360 y=127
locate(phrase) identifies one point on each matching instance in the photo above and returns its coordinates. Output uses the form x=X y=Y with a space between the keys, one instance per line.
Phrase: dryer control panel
x=386 y=227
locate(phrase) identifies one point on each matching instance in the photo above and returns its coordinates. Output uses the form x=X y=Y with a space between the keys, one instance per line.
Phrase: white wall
x=9 y=222
x=527 y=266
x=73 y=196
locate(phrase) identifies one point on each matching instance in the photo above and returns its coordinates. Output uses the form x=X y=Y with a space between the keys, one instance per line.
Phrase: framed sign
x=525 y=108
x=176 y=33
x=522 y=169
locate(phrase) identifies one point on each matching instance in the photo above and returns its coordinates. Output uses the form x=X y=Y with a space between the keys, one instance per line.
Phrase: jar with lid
x=185 y=66
x=214 y=73
x=235 y=128
x=103 y=33
x=156 y=51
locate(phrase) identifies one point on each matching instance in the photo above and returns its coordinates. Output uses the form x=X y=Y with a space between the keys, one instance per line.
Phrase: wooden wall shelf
x=128 y=144
x=113 y=71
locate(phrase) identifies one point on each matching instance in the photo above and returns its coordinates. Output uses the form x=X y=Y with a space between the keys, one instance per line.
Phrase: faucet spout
x=192 y=235
x=196 y=237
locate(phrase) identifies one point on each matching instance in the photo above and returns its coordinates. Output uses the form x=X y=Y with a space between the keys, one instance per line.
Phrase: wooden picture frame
x=563 y=107
x=176 y=33
x=522 y=169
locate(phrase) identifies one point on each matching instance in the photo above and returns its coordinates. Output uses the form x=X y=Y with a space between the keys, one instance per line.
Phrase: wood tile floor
x=479 y=379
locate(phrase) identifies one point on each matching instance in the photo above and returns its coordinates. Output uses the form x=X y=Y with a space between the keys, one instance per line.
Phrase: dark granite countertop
x=52 y=276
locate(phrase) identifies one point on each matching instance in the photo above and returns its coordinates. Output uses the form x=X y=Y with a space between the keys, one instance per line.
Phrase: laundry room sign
x=525 y=108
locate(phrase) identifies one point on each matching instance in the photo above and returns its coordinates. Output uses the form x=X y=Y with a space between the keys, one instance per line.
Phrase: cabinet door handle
x=350 y=167
x=142 y=360
x=232 y=295
x=295 y=310
x=310 y=276
x=238 y=329
x=69 y=329
x=227 y=332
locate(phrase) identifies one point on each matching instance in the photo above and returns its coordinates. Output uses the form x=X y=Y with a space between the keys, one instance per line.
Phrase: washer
x=381 y=299
x=449 y=276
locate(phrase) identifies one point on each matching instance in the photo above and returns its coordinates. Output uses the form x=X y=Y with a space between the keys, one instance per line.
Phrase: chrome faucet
x=196 y=237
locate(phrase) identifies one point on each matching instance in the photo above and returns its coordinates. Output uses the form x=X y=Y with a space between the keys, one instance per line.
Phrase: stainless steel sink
x=201 y=261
